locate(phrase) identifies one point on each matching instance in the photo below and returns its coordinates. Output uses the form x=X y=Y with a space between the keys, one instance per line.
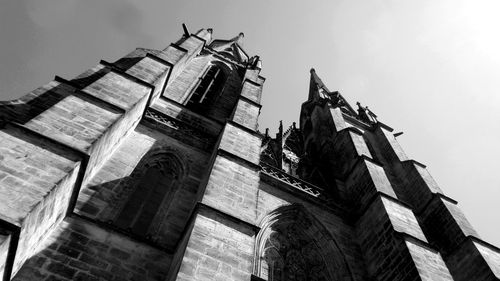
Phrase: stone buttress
x=153 y=168
x=406 y=227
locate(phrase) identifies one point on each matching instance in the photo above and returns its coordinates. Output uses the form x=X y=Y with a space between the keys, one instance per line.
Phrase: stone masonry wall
x=208 y=228
x=391 y=257
x=92 y=114
x=232 y=188
x=272 y=197
x=106 y=193
x=382 y=221
x=246 y=114
x=80 y=251
x=224 y=219
x=37 y=180
x=5 y=239
x=186 y=82
x=180 y=88
x=444 y=224
x=218 y=249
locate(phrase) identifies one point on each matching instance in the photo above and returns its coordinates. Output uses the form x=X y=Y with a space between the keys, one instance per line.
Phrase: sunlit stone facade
x=153 y=168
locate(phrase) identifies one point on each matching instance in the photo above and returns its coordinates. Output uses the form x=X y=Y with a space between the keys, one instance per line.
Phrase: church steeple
x=318 y=91
x=316 y=86
x=155 y=161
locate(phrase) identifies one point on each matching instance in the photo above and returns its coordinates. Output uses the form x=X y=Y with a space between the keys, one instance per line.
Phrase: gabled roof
x=231 y=48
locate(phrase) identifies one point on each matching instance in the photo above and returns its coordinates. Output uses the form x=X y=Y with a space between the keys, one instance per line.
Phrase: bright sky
x=430 y=68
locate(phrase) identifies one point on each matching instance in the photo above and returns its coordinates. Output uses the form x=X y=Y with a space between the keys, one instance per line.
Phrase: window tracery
x=207 y=90
x=153 y=191
x=288 y=249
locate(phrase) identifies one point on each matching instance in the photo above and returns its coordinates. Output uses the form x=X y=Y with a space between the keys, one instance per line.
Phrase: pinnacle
x=316 y=80
x=239 y=39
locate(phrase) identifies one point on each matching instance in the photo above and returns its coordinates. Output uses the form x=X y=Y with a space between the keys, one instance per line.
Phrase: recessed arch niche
x=293 y=245
x=150 y=190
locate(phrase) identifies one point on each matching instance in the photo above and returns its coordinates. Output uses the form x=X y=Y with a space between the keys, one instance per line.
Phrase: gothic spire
x=318 y=91
x=315 y=86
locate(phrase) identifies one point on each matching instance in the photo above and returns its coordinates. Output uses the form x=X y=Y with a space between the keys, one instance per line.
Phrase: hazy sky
x=429 y=68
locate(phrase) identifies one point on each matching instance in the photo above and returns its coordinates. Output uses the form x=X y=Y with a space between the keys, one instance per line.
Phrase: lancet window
x=154 y=190
x=207 y=90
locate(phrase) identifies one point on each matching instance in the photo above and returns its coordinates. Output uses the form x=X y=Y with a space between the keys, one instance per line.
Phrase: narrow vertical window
x=208 y=89
x=155 y=187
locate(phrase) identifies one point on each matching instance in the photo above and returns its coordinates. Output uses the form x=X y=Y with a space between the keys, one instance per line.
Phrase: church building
x=152 y=168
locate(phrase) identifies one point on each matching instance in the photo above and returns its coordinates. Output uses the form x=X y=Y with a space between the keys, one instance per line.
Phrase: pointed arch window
x=208 y=89
x=153 y=190
x=293 y=245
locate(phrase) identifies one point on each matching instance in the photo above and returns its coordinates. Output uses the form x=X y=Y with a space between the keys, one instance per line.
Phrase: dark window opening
x=155 y=187
x=207 y=91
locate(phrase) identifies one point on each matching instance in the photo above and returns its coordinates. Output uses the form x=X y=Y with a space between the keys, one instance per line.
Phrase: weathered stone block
x=492 y=257
x=364 y=181
x=402 y=219
x=474 y=260
x=241 y=143
x=37 y=187
x=344 y=152
x=182 y=86
x=445 y=224
x=420 y=186
x=252 y=75
x=118 y=90
x=122 y=259
x=194 y=44
x=174 y=54
x=5 y=238
x=389 y=146
x=338 y=119
x=153 y=72
x=149 y=70
x=218 y=249
x=429 y=263
x=252 y=91
x=73 y=120
x=246 y=114
x=232 y=188
x=177 y=57
x=390 y=256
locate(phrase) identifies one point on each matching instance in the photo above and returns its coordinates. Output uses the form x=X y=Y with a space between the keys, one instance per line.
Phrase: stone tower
x=152 y=168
